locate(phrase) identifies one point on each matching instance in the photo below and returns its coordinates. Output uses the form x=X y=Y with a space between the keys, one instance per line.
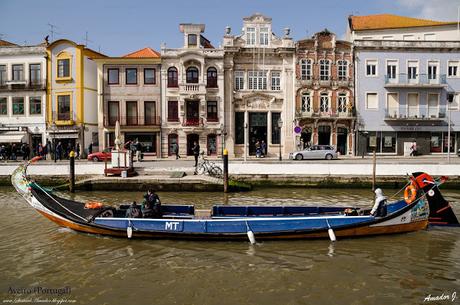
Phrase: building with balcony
x=129 y=92
x=72 y=116
x=259 y=89
x=192 y=81
x=403 y=89
x=325 y=110
x=22 y=94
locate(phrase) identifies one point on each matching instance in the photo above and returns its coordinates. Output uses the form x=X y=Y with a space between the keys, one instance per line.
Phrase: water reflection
x=399 y=269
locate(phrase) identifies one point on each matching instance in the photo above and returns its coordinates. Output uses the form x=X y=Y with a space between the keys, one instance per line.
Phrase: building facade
x=192 y=94
x=72 y=95
x=22 y=94
x=325 y=109
x=407 y=84
x=259 y=89
x=129 y=92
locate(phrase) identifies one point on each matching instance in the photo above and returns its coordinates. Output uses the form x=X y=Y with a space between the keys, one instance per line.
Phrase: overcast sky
x=120 y=27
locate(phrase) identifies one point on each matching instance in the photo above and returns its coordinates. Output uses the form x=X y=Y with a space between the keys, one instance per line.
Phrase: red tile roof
x=143 y=53
x=388 y=21
x=4 y=43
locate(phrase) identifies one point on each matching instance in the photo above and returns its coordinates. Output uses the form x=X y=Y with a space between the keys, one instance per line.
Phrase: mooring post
x=72 y=171
x=225 y=170
x=374 y=165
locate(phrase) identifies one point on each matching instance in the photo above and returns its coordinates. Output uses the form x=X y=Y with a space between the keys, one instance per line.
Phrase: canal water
x=399 y=269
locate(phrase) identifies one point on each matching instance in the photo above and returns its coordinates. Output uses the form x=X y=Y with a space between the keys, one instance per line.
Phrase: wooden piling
x=225 y=159
x=374 y=165
x=72 y=172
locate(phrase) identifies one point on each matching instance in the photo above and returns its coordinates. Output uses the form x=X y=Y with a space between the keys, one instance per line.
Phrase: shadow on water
x=398 y=269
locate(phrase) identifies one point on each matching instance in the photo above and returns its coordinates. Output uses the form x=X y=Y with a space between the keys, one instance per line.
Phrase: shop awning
x=12 y=137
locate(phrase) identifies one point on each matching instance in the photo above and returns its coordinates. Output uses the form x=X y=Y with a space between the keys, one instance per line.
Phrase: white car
x=327 y=152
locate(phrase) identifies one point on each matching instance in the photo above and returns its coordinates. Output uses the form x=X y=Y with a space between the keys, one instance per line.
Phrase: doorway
x=305 y=138
x=342 y=135
x=191 y=138
x=324 y=135
x=257 y=130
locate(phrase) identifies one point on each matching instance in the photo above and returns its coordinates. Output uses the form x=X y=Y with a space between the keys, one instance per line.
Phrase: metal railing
x=22 y=84
x=415 y=113
x=416 y=80
x=191 y=122
x=110 y=121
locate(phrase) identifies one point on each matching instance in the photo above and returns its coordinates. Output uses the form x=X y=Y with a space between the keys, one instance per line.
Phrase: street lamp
x=53 y=129
x=280 y=124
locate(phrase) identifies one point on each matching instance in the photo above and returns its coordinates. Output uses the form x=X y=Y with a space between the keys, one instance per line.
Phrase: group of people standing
x=195 y=150
x=261 y=149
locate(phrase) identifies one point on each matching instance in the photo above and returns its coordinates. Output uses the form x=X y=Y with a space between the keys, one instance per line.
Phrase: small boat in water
x=423 y=203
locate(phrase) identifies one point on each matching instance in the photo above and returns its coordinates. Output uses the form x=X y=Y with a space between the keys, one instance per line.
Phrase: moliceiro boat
x=423 y=203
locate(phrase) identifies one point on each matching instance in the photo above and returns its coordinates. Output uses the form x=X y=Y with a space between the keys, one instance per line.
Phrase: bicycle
x=207 y=167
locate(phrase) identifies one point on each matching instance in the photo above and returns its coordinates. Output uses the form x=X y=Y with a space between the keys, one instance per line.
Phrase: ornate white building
x=259 y=88
x=192 y=94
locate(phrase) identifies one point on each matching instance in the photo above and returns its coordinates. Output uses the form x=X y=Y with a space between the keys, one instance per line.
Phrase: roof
x=143 y=53
x=94 y=54
x=4 y=43
x=388 y=21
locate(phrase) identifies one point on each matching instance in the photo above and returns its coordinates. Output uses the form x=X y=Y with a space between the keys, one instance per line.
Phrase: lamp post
x=53 y=129
x=450 y=99
x=222 y=135
x=280 y=125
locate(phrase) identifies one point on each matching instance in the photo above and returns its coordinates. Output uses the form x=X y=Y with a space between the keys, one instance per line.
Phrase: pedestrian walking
x=58 y=152
x=258 y=152
x=176 y=150
x=77 y=150
x=90 y=148
x=263 y=147
x=196 y=152
x=138 y=146
x=413 y=149
x=14 y=151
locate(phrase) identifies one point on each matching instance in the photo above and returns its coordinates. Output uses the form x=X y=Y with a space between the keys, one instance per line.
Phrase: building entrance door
x=257 y=130
x=305 y=139
x=342 y=135
x=324 y=135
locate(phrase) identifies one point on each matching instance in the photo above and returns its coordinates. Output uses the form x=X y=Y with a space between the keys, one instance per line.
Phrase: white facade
x=23 y=94
x=259 y=89
x=192 y=89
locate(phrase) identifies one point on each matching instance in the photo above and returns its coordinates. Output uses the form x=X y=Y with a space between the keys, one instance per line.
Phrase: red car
x=106 y=154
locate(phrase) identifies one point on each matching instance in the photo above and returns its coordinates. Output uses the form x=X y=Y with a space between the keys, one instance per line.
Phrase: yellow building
x=72 y=95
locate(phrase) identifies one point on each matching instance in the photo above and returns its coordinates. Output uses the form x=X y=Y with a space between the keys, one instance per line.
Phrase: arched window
x=192 y=75
x=212 y=145
x=211 y=80
x=305 y=69
x=172 y=77
x=306 y=102
x=324 y=102
x=173 y=142
x=342 y=70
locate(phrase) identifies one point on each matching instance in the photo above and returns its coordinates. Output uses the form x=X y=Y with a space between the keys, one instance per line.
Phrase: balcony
x=191 y=122
x=325 y=114
x=192 y=89
x=22 y=85
x=419 y=81
x=110 y=121
x=420 y=113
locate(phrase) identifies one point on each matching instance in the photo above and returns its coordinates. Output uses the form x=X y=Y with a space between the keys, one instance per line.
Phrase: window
x=114 y=113
x=113 y=76
x=433 y=105
x=305 y=69
x=18 y=72
x=35 y=105
x=342 y=102
x=324 y=69
x=63 y=107
x=211 y=79
x=173 y=140
x=149 y=76
x=342 y=70
x=408 y=37
x=212 y=144
x=150 y=112
x=35 y=74
x=3 y=106
x=239 y=128
x=257 y=80
x=212 y=111
x=131 y=113
x=192 y=75
x=306 y=102
x=131 y=76
x=372 y=101
x=263 y=36
x=371 y=67
x=452 y=69
x=455 y=102
x=239 y=80
x=18 y=105
x=250 y=36
x=324 y=102
x=432 y=70
x=387 y=37
x=63 y=66
x=173 y=113
x=192 y=41
x=276 y=80
x=2 y=74
x=276 y=132
x=392 y=66
x=412 y=67
x=413 y=105
x=429 y=36
x=172 y=77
